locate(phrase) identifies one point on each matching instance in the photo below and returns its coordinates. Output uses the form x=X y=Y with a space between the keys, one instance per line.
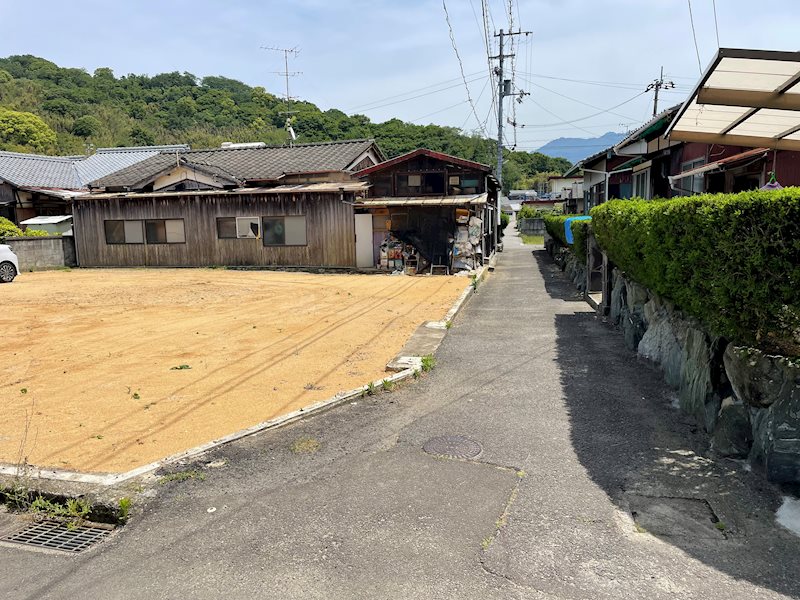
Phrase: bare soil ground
x=89 y=378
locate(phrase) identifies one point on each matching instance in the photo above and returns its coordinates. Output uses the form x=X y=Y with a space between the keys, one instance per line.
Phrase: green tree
x=141 y=137
x=86 y=126
x=23 y=129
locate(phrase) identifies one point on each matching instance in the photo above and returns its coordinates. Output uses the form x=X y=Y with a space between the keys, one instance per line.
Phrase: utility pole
x=503 y=90
x=290 y=135
x=658 y=85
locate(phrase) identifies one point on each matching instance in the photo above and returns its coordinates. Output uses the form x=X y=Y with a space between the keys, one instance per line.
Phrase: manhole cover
x=453 y=446
x=57 y=536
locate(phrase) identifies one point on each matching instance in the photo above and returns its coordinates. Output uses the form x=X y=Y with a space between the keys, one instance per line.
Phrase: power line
x=460 y=64
x=439 y=111
x=716 y=25
x=540 y=86
x=421 y=95
x=427 y=87
x=610 y=84
x=548 y=111
x=483 y=89
x=694 y=35
x=607 y=110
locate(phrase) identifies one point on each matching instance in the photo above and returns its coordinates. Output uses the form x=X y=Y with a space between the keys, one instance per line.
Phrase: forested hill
x=73 y=110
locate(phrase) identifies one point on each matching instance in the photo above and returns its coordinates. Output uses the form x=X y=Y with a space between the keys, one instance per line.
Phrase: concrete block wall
x=531 y=226
x=39 y=253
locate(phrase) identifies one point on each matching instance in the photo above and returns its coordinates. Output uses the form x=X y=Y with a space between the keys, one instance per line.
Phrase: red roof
x=425 y=152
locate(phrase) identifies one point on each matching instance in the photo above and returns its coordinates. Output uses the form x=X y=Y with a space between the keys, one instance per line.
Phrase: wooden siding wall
x=330 y=231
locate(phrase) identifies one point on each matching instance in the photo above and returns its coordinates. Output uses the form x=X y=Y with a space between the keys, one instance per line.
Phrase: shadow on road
x=556 y=283
x=640 y=449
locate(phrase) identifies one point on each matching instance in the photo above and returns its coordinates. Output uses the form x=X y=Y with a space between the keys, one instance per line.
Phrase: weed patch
x=305 y=445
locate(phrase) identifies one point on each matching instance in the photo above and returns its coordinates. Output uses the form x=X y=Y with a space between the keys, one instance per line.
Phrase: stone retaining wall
x=39 y=253
x=747 y=401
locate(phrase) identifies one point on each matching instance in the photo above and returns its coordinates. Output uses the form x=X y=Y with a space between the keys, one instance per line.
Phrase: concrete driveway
x=577 y=435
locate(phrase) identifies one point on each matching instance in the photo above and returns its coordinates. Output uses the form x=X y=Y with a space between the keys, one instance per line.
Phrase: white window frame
x=686 y=185
x=244 y=227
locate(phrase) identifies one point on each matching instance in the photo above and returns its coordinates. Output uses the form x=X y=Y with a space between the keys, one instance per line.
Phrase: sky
x=395 y=59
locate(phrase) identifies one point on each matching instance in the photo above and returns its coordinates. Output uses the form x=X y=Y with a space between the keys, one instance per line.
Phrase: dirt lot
x=90 y=355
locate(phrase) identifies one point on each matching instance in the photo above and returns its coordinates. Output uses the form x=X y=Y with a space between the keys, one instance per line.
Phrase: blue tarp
x=568 y=226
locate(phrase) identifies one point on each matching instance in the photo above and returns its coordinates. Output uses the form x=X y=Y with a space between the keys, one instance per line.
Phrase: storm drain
x=57 y=536
x=453 y=446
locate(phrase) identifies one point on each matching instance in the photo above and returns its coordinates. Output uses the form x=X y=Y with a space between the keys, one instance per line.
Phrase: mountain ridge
x=575 y=149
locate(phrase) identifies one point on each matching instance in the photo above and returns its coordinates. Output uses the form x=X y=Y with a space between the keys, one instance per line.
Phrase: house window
x=124 y=232
x=238 y=227
x=641 y=184
x=420 y=184
x=284 y=231
x=164 y=231
x=226 y=228
x=694 y=184
x=248 y=227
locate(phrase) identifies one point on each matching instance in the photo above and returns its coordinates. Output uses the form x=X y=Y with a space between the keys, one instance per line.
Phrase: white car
x=9 y=265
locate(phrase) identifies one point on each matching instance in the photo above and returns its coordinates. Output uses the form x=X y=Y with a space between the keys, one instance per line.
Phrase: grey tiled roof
x=38 y=171
x=72 y=172
x=109 y=160
x=246 y=164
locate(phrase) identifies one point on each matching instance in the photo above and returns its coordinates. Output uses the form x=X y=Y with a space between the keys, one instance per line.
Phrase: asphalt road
x=577 y=435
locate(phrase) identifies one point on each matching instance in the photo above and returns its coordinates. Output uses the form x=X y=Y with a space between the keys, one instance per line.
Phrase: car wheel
x=7 y=272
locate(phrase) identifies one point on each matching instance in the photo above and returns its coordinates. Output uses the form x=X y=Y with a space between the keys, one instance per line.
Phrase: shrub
x=527 y=211
x=730 y=260
x=35 y=233
x=8 y=229
x=504 y=221
x=554 y=224
x=580 y=233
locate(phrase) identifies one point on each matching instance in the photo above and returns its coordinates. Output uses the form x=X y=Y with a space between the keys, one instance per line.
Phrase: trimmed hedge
x=554 y=224
x=580 y=233
x=730 y=260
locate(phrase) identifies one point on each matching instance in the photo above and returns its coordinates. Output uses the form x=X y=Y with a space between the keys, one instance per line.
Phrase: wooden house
x=427 y=212
x=238 y=206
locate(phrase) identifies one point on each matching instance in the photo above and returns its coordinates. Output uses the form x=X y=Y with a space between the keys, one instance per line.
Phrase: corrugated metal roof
x=304 y=188
x=719 y=164
x=745 y=98
x=247 y=164
x=46 y=220
x=426 y=200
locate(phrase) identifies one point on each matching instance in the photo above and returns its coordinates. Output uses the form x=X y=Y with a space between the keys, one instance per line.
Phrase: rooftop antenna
x=286 y=73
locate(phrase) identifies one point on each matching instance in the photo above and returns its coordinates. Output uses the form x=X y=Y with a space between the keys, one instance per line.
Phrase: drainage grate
x=57 y=536
x=453 y=446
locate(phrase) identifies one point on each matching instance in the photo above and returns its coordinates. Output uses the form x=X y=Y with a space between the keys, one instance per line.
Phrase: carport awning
x=745 y=98
x=721 y=164
x=426 y=201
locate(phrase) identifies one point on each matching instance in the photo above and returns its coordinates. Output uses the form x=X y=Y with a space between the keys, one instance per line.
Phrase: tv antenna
x=286 y=73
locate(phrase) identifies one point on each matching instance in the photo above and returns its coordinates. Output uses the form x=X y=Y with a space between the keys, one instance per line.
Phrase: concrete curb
x=108 y=479
x=411 y=359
